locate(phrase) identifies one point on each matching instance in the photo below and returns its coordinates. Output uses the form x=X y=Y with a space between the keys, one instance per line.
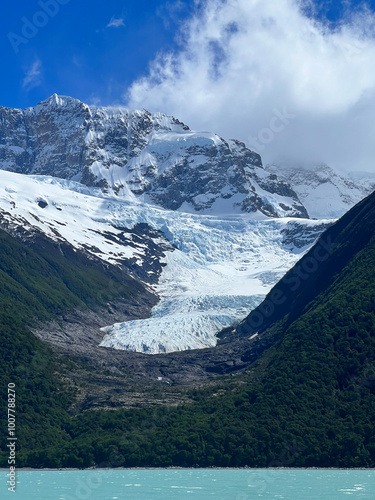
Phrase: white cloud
x=33 y=76
x=240 y=61
x=170 y=12
x=115 y=23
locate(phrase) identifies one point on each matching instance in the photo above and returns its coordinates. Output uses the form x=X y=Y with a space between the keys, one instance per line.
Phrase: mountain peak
x=323 y=190
x=60 y=100
x=142 y=154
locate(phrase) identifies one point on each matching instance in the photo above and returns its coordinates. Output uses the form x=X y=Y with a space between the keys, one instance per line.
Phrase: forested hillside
x=309 y=400
x=39 y=283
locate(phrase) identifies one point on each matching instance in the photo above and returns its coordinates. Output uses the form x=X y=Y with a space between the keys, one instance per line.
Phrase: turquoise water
x=197 y=484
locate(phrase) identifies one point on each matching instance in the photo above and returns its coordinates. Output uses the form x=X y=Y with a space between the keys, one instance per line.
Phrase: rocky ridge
x=141 y=154
x=324 y=191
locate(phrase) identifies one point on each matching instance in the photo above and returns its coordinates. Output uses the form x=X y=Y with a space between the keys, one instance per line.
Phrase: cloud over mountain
x=241 y=64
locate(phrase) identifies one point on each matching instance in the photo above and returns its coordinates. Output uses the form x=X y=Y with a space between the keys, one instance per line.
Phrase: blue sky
x=225 y=66
x=74 y=49
x=87 y=49
x=334 y=10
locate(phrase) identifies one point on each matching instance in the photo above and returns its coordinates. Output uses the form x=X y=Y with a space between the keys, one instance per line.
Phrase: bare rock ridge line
x=141 y=154
x=324 y=191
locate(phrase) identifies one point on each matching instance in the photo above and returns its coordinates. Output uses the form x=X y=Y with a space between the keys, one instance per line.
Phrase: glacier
x=197 y=218
x=218 y=267
x=222 y=268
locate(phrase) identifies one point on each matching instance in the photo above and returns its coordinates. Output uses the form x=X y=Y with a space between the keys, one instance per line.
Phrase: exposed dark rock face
x=323 y=191
x=146 y=270
x=142 y=153
x=297 y=235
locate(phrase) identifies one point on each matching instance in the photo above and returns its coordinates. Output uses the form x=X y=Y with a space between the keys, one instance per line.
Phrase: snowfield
x=206 y=208
x=324 y=191
x=222 y=267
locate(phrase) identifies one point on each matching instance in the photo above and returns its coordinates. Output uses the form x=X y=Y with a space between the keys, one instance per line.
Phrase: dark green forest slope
x=35 y=285
x=309 y=400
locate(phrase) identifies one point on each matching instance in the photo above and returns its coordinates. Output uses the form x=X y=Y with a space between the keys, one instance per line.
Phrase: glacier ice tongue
x=221 y=268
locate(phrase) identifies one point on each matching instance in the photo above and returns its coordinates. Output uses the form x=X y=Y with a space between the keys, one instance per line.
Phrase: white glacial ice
x=221 y=269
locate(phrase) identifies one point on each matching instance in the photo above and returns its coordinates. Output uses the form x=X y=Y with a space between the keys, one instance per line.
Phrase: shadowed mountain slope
x=342 y=260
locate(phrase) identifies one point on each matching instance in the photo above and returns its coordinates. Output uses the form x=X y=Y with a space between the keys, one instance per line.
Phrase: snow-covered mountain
x=144 y=154
x=195 y=218
x=210 y=271
x=324 y=192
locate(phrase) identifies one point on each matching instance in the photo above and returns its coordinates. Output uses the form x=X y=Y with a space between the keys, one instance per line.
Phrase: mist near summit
x=291 y=86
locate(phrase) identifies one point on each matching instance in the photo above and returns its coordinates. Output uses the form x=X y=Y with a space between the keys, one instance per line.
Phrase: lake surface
x=194 y=484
